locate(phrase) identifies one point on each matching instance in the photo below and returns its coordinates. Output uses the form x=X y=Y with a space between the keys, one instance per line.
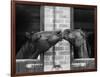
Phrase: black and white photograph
x=54 y=38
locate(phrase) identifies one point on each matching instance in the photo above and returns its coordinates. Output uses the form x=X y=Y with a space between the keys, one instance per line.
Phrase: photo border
x=13 y=37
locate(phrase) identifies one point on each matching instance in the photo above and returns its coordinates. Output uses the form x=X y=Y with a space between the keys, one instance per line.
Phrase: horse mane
x=26 y=50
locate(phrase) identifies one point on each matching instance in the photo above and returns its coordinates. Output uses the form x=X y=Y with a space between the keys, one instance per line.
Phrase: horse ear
x=27 y=35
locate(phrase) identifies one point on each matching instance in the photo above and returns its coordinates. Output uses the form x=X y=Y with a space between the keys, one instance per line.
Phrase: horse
x=90 y=43
x=77 y=38
x=38 y=43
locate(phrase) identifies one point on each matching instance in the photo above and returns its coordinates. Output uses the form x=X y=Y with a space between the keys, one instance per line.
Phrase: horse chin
x=65 y=38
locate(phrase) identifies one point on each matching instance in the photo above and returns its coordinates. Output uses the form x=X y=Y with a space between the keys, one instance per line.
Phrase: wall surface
x=5 y=38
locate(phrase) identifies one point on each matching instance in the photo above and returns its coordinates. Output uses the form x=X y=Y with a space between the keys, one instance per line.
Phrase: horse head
x=77 y=39
x=38 y=43
x=45 y=40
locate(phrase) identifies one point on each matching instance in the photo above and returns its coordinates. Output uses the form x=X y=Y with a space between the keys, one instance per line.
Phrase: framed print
x=52 y=38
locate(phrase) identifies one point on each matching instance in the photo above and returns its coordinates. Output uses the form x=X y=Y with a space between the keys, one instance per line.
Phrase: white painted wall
x=5 y=29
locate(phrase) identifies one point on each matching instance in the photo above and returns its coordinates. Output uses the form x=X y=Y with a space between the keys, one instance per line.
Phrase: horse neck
x=81 y=51
x=24 y=50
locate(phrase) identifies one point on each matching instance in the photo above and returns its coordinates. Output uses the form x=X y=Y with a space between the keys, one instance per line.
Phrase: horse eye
x=59 y=32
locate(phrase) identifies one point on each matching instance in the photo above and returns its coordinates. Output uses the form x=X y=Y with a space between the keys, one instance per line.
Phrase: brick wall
x=57 y=18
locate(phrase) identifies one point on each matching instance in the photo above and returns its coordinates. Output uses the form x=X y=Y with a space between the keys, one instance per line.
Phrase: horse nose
x=63 y=34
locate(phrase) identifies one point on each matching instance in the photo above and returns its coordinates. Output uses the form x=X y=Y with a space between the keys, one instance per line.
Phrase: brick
x=62 y=49
x=48 y=58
